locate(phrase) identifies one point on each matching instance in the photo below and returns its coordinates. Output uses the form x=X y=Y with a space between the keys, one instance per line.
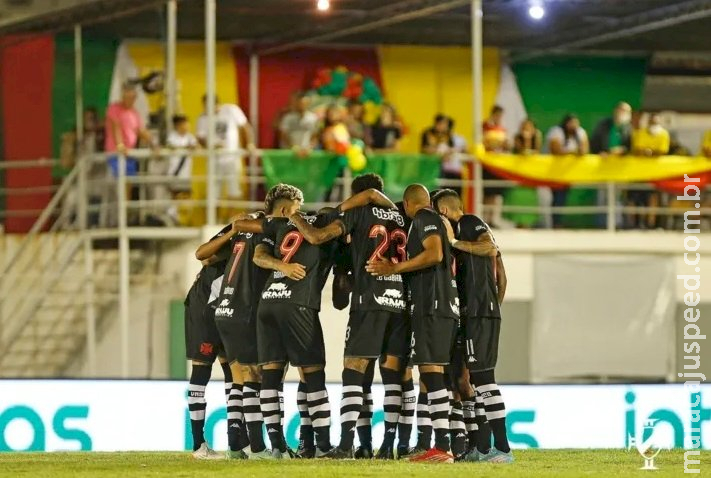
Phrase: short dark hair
x=204 y=98
x=444 y=194
x=440 y=117
x=355 y=103
x=496 y=109
x=178 y=119
x=367 y=181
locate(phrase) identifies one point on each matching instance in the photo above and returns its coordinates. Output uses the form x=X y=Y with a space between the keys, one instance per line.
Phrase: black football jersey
x=432 y=291
x=206 y=287
x=476 y=275
x=376 y=232
x=289 y=245
x=243 y=280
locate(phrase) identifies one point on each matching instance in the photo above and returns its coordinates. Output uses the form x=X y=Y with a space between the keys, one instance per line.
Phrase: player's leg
x=272 y=377
x=199 y=377
x=272 y=357
x=424 y=423
x=485 y=347
x=364 y=425
x=307 y=447
x=351 y=403
x=303 y=338
x=236 y=431
x=432 y=351
x=395 y=348
x=252 y=408
x=202 y=353
x=407 y=413
x=457 y=433
x=466 y=391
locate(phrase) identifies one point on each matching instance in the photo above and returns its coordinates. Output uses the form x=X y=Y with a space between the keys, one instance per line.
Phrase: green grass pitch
x=529 y=463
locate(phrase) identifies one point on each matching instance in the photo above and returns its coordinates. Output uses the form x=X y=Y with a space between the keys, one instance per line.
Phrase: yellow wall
x=190 y=76
x=424 y=81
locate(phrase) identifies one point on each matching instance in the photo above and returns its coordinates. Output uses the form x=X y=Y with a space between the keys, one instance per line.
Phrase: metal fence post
x=123 y=264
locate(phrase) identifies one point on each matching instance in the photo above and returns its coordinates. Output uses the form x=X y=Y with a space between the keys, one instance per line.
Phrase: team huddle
x=424 y=282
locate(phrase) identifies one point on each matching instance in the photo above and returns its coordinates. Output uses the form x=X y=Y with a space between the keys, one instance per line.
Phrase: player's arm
x=248 y=224
x=501 y=281
x=317 y=235
x=363 y=198
x=264 y=259
x=212 y=247
x=483 y=246
x=430 y=256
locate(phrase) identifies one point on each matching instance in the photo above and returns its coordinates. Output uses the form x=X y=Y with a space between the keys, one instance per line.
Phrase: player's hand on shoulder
x=448 y=227
x=294 y=271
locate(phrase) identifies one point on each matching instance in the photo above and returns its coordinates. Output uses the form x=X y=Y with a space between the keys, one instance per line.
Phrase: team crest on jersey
x=206 y=348
x=278 y=290
x=391 y=298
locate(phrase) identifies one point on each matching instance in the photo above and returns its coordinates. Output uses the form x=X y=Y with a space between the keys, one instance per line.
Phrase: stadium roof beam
x=630 y=25
x=378 y=18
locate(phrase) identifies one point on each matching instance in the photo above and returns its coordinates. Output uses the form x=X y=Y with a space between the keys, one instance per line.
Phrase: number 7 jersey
x=288 y=245
x=376 y=232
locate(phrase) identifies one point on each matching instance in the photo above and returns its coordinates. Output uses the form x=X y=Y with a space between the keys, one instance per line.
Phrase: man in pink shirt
x=124 y=128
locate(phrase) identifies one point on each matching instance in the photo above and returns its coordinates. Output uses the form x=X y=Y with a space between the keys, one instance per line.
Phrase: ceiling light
x=536 y=11
x=323 y=5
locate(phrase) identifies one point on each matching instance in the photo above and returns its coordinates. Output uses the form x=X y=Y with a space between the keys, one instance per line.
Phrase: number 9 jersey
x=288 y=245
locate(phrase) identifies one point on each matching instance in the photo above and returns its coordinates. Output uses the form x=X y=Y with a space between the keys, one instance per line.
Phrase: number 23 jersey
x=288 y=245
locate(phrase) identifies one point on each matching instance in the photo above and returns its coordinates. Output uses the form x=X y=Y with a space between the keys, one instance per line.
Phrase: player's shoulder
x=427 y=214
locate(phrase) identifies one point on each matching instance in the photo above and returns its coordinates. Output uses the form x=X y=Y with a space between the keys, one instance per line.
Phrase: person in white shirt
x=181 y=164
x=298 y=128
x=233 y=134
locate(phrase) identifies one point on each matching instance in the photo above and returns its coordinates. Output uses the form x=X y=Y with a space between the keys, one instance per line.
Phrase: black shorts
x=239 y=337
x=481 y=342
x=202 y=340
x=289 y=333
x=432 y=340
x=372 y=333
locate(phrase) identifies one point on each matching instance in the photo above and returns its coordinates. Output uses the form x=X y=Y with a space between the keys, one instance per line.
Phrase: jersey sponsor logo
x=479 y=227
x=455 y=306
x=229 y=290
x=388 y=216
x=279 y=275
x=431 y=227
x=391 y=278
x=223 y=310
x=391 y=298
x=277 y=290
x=268 y=241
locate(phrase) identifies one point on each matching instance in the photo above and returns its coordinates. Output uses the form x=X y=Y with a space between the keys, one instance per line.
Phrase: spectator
x=613 y=135
x=233 y=134
x=334 y=133
x=387 y=131
x=298 y=128
x=652 y=140
x=437 y=139
x=452 y=161
x=355 y=122
x=180 y=165
x=566 y=138
x=124 y=128
x=495 y=141
x=528 y=140
x=495 y=135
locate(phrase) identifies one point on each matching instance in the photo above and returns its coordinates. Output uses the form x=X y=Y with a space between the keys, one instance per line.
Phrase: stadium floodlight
x=323 y=5
x=536 y=11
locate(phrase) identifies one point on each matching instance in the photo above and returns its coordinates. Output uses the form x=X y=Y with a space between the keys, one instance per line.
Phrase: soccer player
x=434 y=308
x=202 y=341
x=288 y=327
x=482 y=284
x=377 y=326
